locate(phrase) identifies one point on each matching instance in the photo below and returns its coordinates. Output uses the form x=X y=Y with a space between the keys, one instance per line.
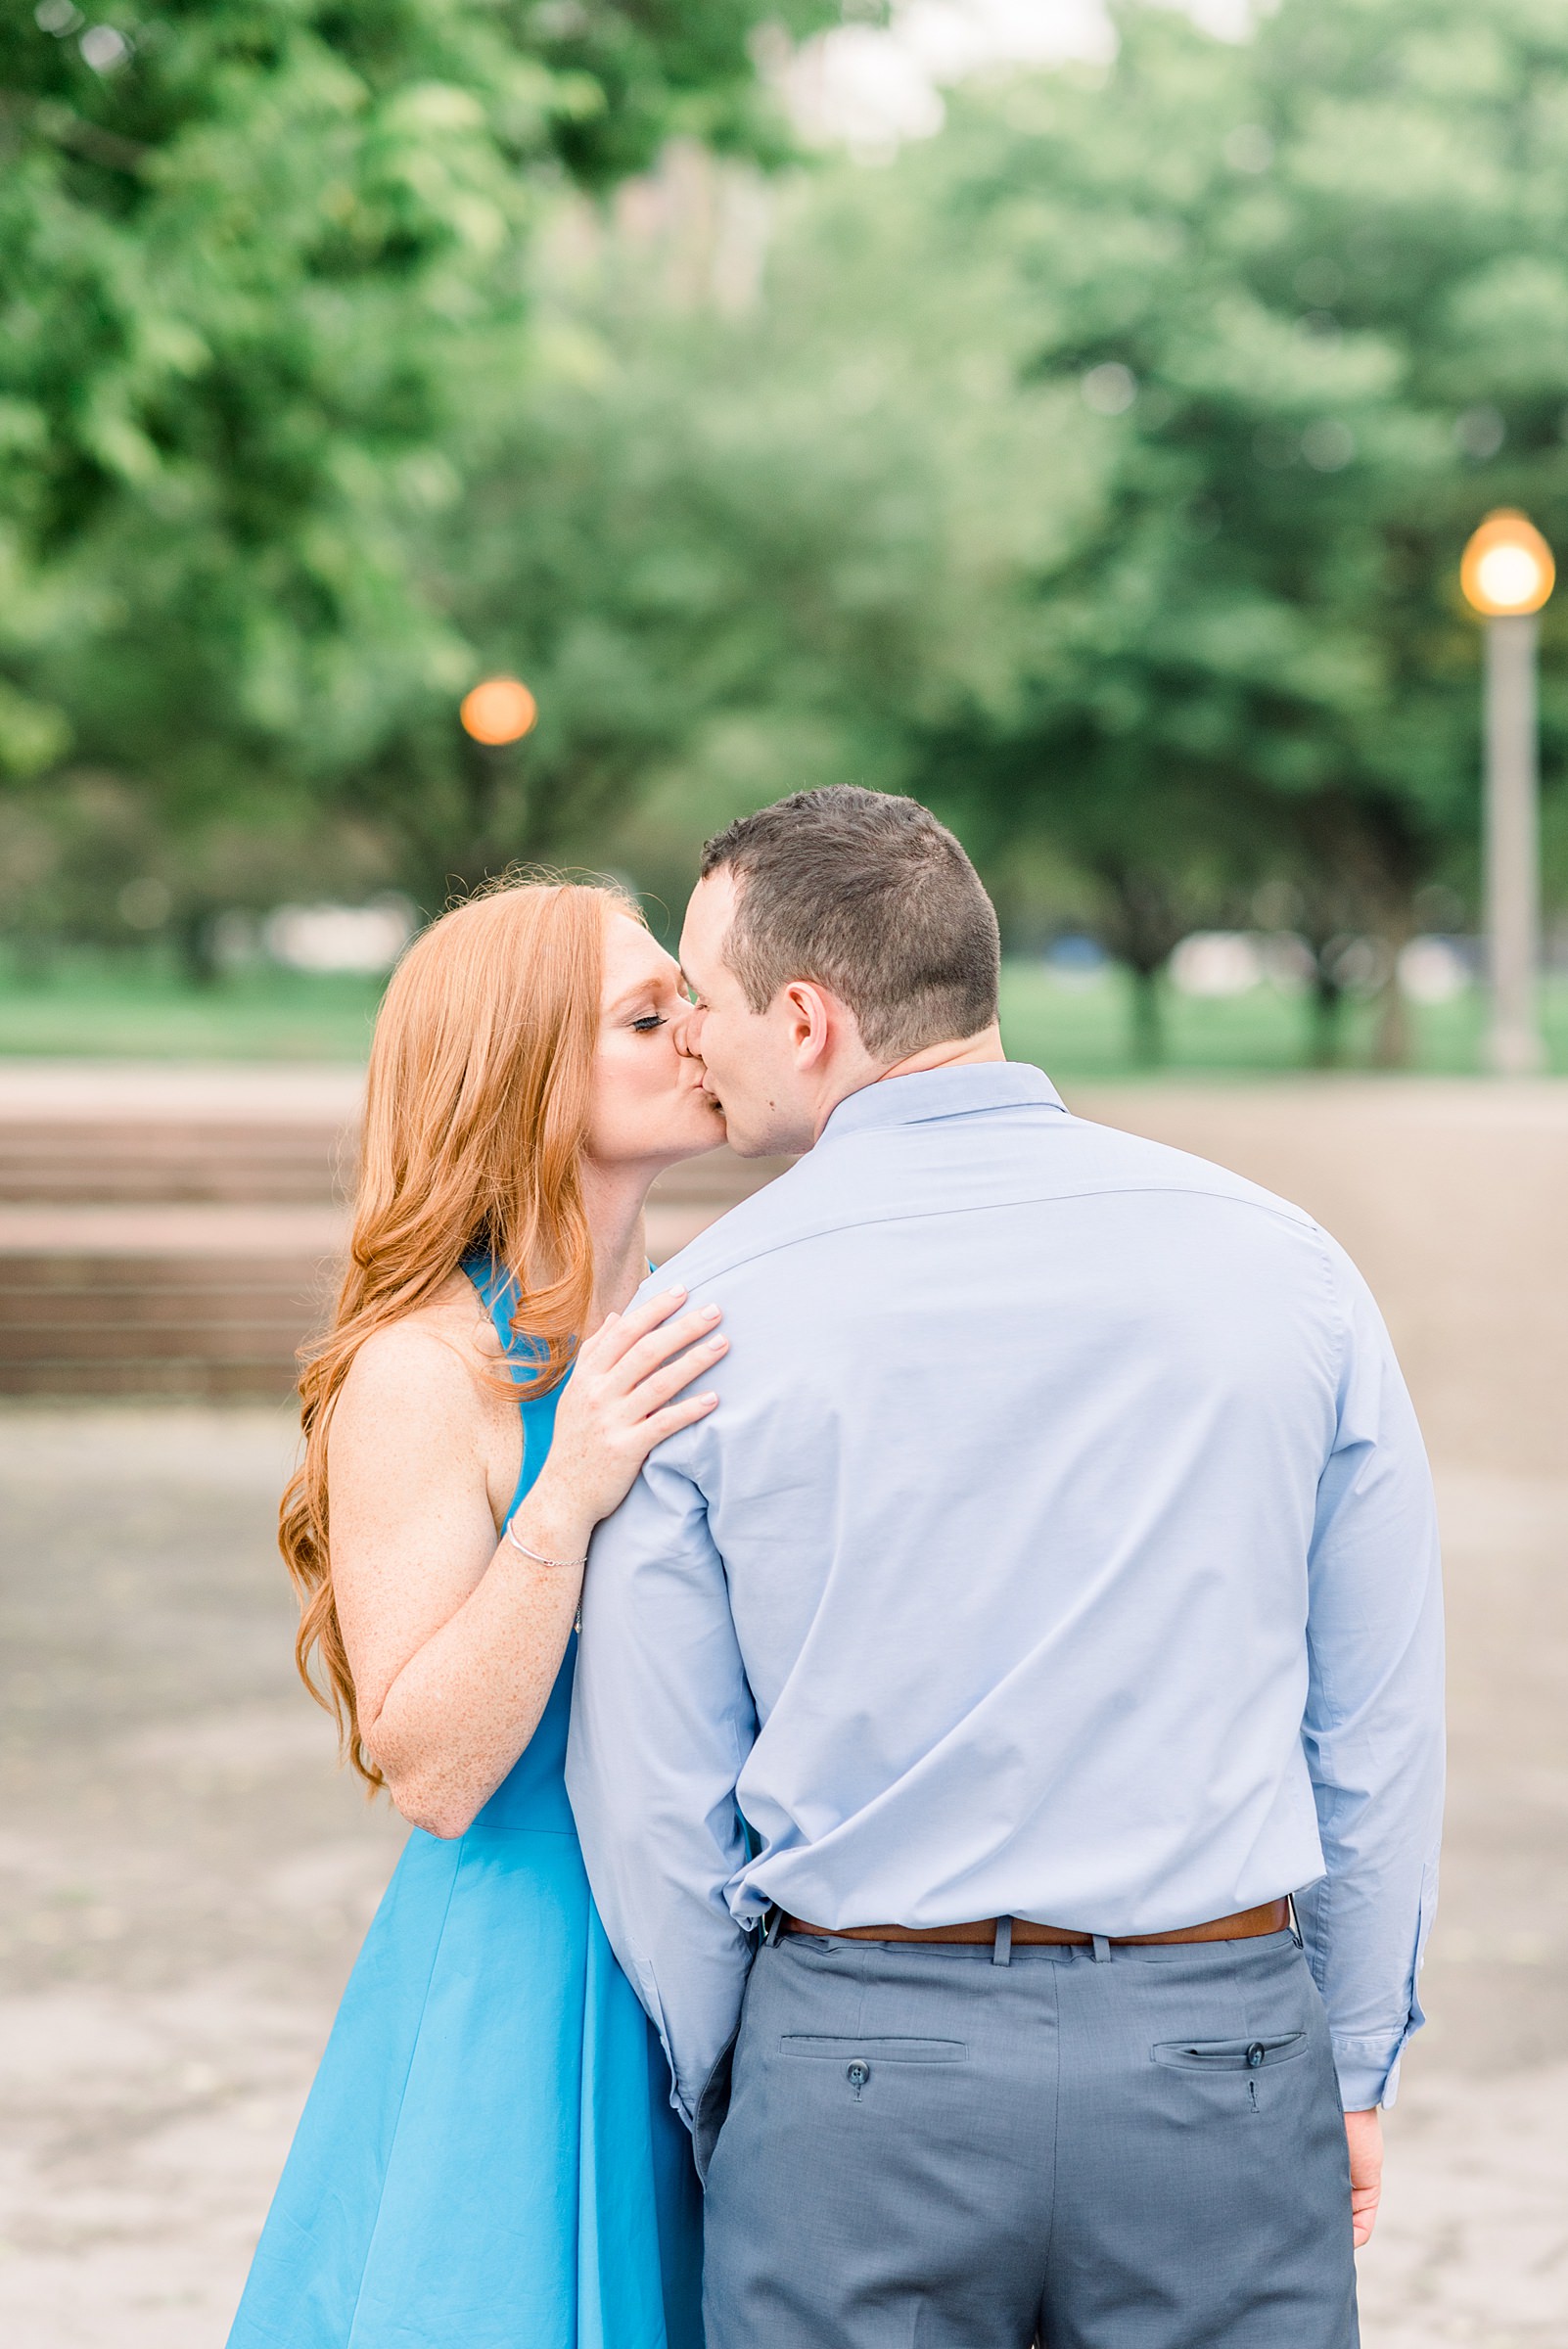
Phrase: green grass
x=86 y=1006
x=89 y=1007
x=1088 y=1033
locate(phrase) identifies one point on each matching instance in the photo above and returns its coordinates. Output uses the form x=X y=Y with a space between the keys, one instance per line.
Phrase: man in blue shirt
x=1053 y=1597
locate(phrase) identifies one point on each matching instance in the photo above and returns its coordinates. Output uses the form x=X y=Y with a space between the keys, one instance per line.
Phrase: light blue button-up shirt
x=1063 y=1546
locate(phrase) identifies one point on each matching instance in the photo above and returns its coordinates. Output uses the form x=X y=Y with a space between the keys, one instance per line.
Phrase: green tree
x=253 y=255
x=1313 y=290
x=747 y=531
x=1100 y=471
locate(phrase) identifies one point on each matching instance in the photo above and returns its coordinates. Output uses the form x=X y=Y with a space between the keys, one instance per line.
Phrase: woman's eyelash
x=649 y=1021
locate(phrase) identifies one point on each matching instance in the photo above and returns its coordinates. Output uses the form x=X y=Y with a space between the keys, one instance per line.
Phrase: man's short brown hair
x=869 y=896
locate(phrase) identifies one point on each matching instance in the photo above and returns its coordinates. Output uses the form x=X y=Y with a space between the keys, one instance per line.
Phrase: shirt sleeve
x=1373 y=1725
x=661 y=1719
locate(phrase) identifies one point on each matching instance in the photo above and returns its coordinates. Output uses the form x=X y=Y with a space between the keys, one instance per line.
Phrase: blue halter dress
x=487 y=2159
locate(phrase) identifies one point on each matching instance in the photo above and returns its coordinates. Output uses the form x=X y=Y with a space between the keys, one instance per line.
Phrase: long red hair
x=476 y=1119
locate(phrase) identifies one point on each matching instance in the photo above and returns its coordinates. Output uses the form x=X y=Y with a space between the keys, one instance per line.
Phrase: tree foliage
x=1098 y=469
x=732 y=554
x=1316 y=287
x=253 y=256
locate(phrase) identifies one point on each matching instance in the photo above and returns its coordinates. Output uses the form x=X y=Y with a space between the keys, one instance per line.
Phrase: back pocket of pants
x=1230 y=2054
x=879 y=2050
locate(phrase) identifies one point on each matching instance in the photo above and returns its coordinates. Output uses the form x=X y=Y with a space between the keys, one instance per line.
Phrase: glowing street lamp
x=1507 y=574
x=500 y=710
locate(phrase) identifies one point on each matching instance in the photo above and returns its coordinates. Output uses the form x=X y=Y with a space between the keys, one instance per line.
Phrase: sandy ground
x=184 y=1879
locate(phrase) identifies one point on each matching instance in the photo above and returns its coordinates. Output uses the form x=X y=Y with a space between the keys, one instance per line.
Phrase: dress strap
x=498 y=1294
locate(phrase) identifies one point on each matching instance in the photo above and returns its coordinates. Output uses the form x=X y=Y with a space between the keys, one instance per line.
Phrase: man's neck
x=961 y=1052
x=956 y=1052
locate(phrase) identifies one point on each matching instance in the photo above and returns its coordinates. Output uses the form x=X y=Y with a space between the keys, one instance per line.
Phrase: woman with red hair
x=489 y=2159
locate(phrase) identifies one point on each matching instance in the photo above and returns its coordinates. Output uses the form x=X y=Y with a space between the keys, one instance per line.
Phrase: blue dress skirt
x=489 y=2159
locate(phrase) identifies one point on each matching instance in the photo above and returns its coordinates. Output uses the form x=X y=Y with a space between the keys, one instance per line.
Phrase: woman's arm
x=455 y=1639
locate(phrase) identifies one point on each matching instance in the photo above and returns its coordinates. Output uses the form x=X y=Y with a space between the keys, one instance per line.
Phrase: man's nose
x=685 y=1026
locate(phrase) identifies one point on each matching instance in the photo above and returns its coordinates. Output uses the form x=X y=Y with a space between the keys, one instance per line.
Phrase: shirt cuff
x=1369 y=2070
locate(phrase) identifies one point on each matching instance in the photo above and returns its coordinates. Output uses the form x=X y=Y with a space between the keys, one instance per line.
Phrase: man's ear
x=814 y=1017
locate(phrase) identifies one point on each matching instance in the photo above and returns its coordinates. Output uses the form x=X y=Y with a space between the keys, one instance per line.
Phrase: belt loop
x=775 y=1926
x=1103 y=1950
x=1001 y=1950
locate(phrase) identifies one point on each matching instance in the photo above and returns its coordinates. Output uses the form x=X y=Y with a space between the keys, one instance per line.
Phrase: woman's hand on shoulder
x=625 y=1394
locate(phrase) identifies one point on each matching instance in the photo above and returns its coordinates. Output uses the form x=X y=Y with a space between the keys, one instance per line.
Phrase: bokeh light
x=501 y=709
x=1507 y=569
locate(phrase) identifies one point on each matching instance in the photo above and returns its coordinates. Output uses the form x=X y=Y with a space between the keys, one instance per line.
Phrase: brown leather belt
x=1271 y=1917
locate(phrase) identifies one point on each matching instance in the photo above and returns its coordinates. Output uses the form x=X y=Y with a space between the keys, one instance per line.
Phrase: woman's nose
x=684 y=1030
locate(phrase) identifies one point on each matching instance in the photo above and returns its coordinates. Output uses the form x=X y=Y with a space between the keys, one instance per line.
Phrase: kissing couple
x=920 y=1719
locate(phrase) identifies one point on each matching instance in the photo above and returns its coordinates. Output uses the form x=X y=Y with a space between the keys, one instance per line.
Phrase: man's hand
x=1364 y=2132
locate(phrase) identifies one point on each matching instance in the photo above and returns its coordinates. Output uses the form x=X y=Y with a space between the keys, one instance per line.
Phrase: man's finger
x=1363 y=2131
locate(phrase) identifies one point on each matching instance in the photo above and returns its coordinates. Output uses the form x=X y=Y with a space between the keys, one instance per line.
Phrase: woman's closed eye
x=649 y=1021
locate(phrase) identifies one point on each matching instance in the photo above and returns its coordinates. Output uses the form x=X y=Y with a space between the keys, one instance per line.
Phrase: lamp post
x=1507 y=574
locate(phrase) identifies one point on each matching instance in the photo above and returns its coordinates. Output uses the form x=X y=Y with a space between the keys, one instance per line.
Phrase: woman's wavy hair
x=476 y=1119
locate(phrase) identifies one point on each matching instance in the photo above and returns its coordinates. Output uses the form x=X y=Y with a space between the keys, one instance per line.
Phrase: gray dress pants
x=1106 y=2149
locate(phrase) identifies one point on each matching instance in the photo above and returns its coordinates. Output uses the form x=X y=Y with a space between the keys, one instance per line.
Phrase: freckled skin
x=454 y=1637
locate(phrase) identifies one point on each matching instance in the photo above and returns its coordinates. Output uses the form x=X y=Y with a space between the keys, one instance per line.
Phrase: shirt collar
x=931 y=1093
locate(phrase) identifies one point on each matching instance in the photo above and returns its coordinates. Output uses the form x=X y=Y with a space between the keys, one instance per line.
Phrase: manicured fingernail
x=710 y=1313
x=675 y=1292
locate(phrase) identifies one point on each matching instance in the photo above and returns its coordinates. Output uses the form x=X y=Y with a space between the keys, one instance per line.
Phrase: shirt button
x=1255 y=2054
x=858 y=2073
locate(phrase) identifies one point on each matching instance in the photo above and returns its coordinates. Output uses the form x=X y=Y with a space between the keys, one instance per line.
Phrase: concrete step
x=100 y=1161
x=166 y=1300
x=179 y=1232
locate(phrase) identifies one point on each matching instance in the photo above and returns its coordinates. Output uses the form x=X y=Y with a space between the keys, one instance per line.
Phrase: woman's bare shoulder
x=438 y=1361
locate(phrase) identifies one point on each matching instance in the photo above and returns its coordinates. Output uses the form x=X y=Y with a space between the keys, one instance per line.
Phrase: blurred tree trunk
x=483 y=772
x=191 y=932
x=1400 y=861
x=1327 y=999
x=1392 y=1037
x=1144 y=921
x=1148 y=1021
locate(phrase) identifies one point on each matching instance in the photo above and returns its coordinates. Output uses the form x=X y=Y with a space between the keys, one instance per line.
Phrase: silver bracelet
x=564 y=1565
